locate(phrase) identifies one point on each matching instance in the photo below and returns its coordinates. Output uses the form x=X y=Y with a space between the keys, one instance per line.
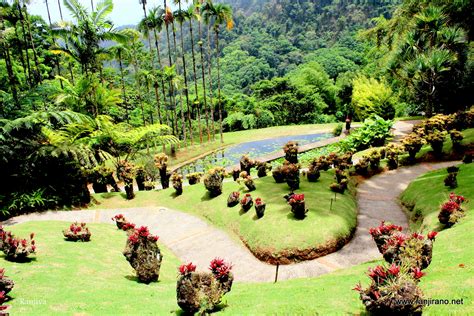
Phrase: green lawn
x=278 y=230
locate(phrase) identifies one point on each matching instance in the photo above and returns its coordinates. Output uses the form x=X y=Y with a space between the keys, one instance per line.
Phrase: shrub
x=413 y=143
x=100 y=176
x=451 y=211
x=451 y=180
x=436 y=139
x=3 y=298
x=194 y=177
x=140 y=178
x=6 y=284
x=467 y=158
x=414 y=250
x=247 y=180
x=233 y=199
x=278 y=174
x=373 y=132
x=383 y=232
x=235 y=173
x=297 y=203
x=337 y=131
x=77 y=232
x=291 y=152
x=362 y=166
x=322 y=163
x=389 y=286
x=213 y=181
x=177 y=181
x=17 y=249
x=120 y=220
x=456 y=138
x=202 y=292
x=339 y=187
x=126 y=173
x=246 y=164
x=262 y=168
x=143 y=254
x=161 y=162
x=374 y=159
x=292 y=175
x=392 y=151
x=313 y=173
x=260 y=207
x=246 y=203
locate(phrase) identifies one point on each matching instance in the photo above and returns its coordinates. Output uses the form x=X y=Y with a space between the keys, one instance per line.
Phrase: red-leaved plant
x=77 y=232
x=297 y=204
x=16 y=248
x=233 y=199
x=185 y=269
x=384 y=231
x=260 y=207
x=6 y=284
x=451 y=211
x=390 y=285
x=220 y=269
x=120 y=220
x=3 y=298
x=246 y=202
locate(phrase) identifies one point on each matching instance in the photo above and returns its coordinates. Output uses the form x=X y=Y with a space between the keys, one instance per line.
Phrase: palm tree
x=168 y=19
x=47 y=9
x=222 y=14
x=5 y=49
x=33 y=48
x=120 y=52
x=181 y=16
x=144 y=27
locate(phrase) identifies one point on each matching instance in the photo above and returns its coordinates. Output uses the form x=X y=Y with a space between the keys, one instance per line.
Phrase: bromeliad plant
x=177 y=181
x=233 y=199
x=76 y=232
x=246 y=203
x=278 y=174
x=202 y=291
x=126 y=172
x=194 y=178
x=143 y=254
x=451 y=211
x=17 y=249
x=246 y=164
x=213 y=181
x=297 y=203
x=383 y=232
x=119 y=220
x=161 y=162
x=291 y=152
x=292 y=175
x=260 y=207
x=262 y=168
x=6 y=284
x=389 y=287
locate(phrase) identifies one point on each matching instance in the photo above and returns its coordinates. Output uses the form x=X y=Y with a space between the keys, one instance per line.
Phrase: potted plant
x=194 y=177
x=177 y=181
x=246 y=164
x=262 y=168
x=77 y=232
x=291 y=152
x=278 y=174
x=246 y=203
x=297 y=204
x=126 y=173
x=259 y=207
x=233 y=199
x=161 y=162
x=374 y=159
x=339 y=187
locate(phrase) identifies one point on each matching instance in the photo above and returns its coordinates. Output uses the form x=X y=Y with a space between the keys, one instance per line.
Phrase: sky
x=125 y=12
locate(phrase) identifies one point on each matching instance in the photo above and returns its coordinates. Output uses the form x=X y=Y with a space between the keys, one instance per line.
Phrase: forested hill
x=272 y=37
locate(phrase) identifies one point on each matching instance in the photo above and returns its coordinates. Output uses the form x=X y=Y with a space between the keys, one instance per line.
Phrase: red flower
x=220 y=268
x=186 y=268
x=394 y=269
x=143 y=231
x=377 y=274
x=258 y=201
x=417 y=236
x=133 y=238
x=417 y=273
x=450 y=206
x=432 y=235
x=128 y=226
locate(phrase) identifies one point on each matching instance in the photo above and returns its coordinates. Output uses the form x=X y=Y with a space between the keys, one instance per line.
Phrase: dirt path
x=193 y=239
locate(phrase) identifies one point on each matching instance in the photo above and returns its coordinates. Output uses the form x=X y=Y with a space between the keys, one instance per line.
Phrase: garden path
x=193 y=239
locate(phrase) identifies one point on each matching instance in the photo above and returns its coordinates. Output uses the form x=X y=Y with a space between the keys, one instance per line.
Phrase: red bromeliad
x=459 y=199
x=186 y=268
x=450 y=207
x=220 y=268
x=432 y=235
x=417 y=273
x=259 y=202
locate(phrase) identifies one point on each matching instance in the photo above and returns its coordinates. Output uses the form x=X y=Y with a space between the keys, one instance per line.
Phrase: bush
x=177 y=181
x=246 y=203
x=337 y=130
x=389 y=286
x=297 y=203
x=436 y=139
x=161 y=162
x=119 y=220
x=373 y=132
x=233 y=199
x=77 y=232
x=413 y=143
x=456 y=138
x=265 y=118
x=278 y=174
x=194 y=177
x=202 y=292
x=313 y=173
x=392 y=151
x=260 y=207
x=6 y=284
x=143 y=254
x=451 y=211
x=362 y=167
x=374 y=159
x=451 y=180
x=291 y=152
x=373 y=97
x=213 y=181
x=16 y=249
x=262 y=168
x=291 y=172
x=126 y=172
x=246 y=164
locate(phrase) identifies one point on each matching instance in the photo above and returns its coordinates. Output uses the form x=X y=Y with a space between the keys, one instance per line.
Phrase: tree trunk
x=11 y=77
x=25 y=40
x=183 y=122
x=195 y=80
x=204 y=82
x=124 y=92
x=209 y=63
x=35 y=55
x=219 y=102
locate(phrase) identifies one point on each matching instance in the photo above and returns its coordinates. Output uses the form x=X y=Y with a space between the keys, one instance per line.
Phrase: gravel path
x=193 y=239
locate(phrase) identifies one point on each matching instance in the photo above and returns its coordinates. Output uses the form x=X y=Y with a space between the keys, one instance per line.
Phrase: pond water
x=230 y=156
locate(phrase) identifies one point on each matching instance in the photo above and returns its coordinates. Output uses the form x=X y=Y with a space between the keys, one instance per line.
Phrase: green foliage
x=374 y=132
x=371 y=96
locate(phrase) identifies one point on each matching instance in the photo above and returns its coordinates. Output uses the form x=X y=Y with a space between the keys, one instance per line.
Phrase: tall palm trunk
x=186 y=92
x=183 y=122
x=22 y=59
x=35 y=55
x=56 y=59
x=219 y=102
x=195 y=80
x=201 y=47
x=124 y=91
x=171 y=89
x=209 y=64
x=11 y=76
x=69 y=64
x=92 y=5
x=161 y=67
x=25 y=40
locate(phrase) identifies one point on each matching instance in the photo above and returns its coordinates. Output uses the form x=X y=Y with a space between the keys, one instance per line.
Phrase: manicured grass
x=93 y=277
x=451 y=273
x=278 y=230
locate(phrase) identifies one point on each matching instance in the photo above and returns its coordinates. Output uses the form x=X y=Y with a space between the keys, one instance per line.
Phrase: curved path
x=193 y=239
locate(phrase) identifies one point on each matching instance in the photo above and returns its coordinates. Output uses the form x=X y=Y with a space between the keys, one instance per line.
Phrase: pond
x=230 y=156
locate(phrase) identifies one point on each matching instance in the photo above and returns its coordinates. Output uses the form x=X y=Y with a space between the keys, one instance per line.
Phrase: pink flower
x=394 y=269
x=417 y=273
x=432 y=235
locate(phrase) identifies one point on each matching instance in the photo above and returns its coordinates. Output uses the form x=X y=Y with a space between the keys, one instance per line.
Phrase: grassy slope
x=277 y=230
x=445 y=277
